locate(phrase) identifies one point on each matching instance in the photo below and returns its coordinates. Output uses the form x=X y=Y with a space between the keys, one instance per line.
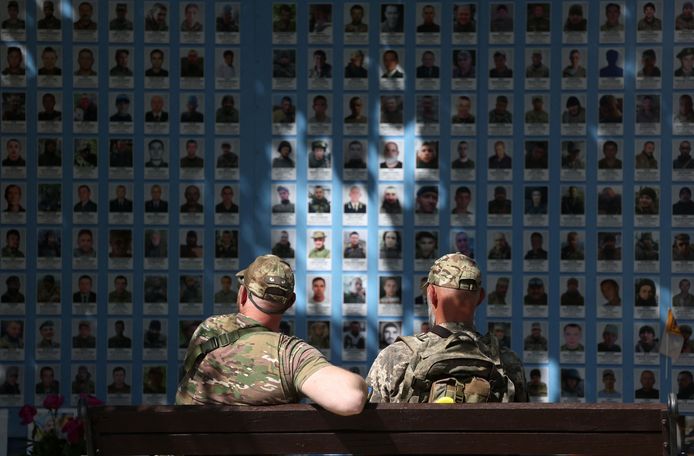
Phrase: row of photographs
x=51 y=156
x=121 y=118
x=82 y=18
x=351 y=292
x=390 y=23
x=571 y=382
x=610 y=110
x=160 y=247
x=18 y=65
x=155 y=342
x=646 y=204
x=157 y=248
x=17 y=62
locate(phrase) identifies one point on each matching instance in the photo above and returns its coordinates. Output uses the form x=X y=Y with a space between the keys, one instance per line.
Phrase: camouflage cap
x=318 y=235
x=320 y=144
x=684 y=237
x=47 y=324
x=269 y=278
x=427 y=189
x=611 y=329
x=572 y=147
x=576 y=9
x=455 y=270
x=499 y=237
x=571 y=373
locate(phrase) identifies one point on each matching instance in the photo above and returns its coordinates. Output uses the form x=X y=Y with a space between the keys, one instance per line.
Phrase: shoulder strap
x=416 y=345
x=442 y=332
x=197 y=354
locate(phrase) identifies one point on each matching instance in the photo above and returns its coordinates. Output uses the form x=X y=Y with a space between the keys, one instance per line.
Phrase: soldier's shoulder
x=217 y=324
x=389 y=366
x=288 y=342
x=396 y=352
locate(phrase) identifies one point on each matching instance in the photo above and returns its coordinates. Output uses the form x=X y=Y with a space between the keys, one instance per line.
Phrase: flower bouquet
x=59 y=434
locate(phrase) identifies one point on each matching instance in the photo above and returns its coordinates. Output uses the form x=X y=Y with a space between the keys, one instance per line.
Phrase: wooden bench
x=595 y=429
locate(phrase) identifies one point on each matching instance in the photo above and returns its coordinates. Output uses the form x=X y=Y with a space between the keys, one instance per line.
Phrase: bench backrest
x=634 y=429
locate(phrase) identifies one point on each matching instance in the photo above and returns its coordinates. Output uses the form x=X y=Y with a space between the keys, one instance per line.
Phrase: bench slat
x=646 y=444
x=382 y=418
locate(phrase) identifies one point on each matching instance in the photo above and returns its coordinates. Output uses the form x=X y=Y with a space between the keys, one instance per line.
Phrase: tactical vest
x=454 y=366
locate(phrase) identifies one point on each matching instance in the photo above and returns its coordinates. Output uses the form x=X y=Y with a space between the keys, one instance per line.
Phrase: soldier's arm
x=336 y=390
x=376 y=381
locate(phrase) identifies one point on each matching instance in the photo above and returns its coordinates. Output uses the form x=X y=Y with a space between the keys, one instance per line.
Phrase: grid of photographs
x=549 y=140
x=108 y=150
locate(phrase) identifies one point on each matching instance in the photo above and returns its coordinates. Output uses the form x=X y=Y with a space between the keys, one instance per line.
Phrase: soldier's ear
x=432 y=297
x=242 y=297
x=290 y=301
x=483 y=294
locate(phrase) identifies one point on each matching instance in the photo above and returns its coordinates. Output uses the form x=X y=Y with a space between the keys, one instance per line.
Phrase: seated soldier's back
x=261 y=368
x=388 y=373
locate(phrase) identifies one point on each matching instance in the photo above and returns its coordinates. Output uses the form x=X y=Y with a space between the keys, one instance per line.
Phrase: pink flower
x=53 y=401
x=74 y=430
x=27 y=413
x=92 y=401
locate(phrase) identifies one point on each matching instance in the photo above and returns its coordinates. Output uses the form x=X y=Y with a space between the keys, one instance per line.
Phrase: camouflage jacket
x=261 y=368
x=388 y=370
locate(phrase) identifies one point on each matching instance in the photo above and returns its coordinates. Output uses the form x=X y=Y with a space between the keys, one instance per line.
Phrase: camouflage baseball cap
x=685 y=52
x=455 y=270
x=611 y=329
x=571 y=373
x=269 y=278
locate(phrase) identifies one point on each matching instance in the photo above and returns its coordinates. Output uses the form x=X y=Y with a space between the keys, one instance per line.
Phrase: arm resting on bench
x=336 y=390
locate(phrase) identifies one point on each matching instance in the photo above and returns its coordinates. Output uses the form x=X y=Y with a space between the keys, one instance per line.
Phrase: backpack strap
x=197 y=354
x=417 y=345
x=442 y=332
x=509 y=395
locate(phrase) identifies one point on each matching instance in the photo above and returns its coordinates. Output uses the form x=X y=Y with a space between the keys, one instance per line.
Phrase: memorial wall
x=151 y=149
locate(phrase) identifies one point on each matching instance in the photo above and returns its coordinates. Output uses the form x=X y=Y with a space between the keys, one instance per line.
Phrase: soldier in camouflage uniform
x=453 y=291
x=535 y=341
x=537 y=115
x=243 y=359
x=319 y=250
x=318 y=203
